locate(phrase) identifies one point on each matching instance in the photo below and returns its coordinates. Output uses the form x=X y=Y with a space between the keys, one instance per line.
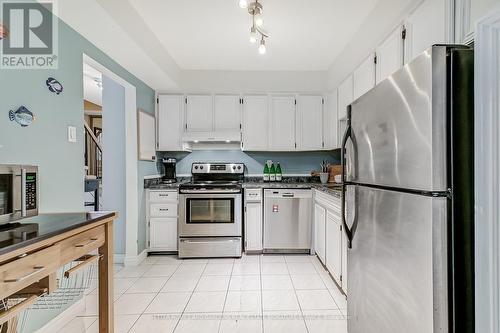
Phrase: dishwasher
x=287 y=220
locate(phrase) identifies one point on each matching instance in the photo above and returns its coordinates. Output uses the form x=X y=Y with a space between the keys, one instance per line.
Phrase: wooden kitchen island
x=32 y=250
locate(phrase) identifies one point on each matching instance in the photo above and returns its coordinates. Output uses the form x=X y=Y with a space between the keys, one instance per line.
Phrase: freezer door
x=397 y=264
x=399 y=128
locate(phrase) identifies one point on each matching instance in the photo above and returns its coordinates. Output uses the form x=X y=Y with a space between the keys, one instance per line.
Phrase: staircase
x=93 y=167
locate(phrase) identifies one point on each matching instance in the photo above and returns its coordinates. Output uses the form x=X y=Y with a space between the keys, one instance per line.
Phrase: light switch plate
x=71 y=134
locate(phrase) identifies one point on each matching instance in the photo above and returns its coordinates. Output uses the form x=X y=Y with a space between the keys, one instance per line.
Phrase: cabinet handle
x=16 y=309
x=92 y=240
x=88 y=260
x=163 y=209
x=163 y=195
x=37 y=269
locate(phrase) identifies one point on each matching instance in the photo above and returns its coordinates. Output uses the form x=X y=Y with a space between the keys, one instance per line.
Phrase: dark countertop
x=44 y=226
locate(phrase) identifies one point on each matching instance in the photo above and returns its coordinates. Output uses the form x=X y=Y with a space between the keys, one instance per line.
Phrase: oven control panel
x=218 y=168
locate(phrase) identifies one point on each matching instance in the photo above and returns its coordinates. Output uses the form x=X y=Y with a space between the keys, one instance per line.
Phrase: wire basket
x=69 y=290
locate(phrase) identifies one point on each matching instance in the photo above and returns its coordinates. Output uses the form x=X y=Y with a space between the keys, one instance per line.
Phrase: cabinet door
x=282 y=131
x=320 y=229
x=364 y=77
x=170 y=122
x=345 y=96
x=330 y=122
x=255 y=123
x=424 y=27
x=199 y=113
x=253 y=226
x=334 y=245
x=227 y=113
x=309 y=122
x=163 y=234
x=390 y=55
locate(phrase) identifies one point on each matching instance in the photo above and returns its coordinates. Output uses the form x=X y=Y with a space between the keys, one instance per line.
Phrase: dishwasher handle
x=288 y=195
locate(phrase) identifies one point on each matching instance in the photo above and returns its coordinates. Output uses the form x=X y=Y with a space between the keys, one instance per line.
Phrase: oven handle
x=208 y=191
x=209 y=241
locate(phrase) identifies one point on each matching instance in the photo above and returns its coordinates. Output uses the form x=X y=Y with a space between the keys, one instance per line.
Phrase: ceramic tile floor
x=266 y=294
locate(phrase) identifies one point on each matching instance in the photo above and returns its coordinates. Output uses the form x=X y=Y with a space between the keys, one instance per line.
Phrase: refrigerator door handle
x=347 y=135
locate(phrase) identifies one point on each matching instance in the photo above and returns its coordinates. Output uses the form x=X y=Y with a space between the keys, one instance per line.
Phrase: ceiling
x=213 y=35
x=92 y=90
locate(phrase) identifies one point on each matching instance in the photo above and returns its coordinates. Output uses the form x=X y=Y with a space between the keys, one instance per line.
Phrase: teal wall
x=291 y=162
x=44 y=143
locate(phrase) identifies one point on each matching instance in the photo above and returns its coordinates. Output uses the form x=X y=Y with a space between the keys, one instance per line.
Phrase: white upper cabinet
x=199 y=113
x=170 y=122
x=467 y=13
x=282 y=121
x=390 y=55
x=227 y=113
x=309 y=122
x=424 y=27
x=255 y=123
x=364 y=77
x=330 y=124
x=345 y=96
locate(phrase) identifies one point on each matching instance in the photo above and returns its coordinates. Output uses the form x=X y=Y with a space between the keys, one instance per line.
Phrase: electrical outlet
x=71 y=134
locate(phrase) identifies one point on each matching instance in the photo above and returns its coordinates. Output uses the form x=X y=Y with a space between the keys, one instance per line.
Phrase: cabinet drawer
x=253 y=194
x=163 y=196
x=163 y=209
x=81 y=244
x=24 y=271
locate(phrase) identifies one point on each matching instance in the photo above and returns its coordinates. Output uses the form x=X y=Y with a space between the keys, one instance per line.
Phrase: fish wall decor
x=4 y=32
x=22 y=116
x=54 y=85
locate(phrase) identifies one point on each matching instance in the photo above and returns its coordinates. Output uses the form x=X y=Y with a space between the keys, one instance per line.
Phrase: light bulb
x=262 y=46
x=253 y=35
x=259 y=21
x=243 y=3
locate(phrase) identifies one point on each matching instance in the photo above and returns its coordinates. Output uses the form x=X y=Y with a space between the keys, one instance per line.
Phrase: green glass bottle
x=279 y=176
x=272 y=173
x=266 y=173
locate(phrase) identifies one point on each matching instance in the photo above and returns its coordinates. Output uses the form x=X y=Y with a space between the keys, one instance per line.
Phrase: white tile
x=151 y=260
x=180 y=283
x=132 y=271
x=169 y=303
x=276 y=282
x=307 y=281
x=218 y=269
x=147 y=285
x=241 y=323
x=279 y=300
x=298 y=258
x=206 y=301
x=173 y=260
x=198 y=323
x=194 y=261
x=301 y=268
x=213 y=283
x=152 y=323
x=248 y=259
x=328 y=281
x=123 y=323
x=273 y=268
x=133 y=303
x=246 y=269
x=316 y=300
x=245 y=282
x=190 y=269
x=78 y=325
x=221 y=261
x=325 y=321
x=272 y=258
x=160 y=270
x=243 y=301
x=339 y=298
x=91 y=305
x=284 y=322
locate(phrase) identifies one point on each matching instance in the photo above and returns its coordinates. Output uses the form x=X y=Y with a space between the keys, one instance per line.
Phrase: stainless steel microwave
x=18 y=192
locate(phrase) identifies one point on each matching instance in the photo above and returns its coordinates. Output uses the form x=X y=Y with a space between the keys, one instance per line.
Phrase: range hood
x=212 y=137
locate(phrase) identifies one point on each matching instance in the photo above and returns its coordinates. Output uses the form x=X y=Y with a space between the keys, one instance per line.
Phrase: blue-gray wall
x=291 y=162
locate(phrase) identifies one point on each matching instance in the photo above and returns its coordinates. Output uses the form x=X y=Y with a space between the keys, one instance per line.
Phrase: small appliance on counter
x=169 y=167
x=18 y=192
x=210 y=211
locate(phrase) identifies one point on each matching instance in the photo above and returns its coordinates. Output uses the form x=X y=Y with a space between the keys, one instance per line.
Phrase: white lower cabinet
x=253 y=219
x=320 y=230
x=334 y=245
x=162 y=217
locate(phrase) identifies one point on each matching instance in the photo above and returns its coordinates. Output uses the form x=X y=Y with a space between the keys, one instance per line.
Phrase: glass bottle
x=272 y=173
x=279 y=176
x=266 y=173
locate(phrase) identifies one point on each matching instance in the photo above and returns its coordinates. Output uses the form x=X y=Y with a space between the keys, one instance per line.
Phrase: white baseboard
x=57 y=323
x=135 y=260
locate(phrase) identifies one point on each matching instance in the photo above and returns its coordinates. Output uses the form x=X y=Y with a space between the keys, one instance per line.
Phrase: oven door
x=10 y=193
x=210 y=214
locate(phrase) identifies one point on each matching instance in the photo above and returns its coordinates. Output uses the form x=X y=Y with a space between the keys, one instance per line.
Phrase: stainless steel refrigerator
x=409 y=198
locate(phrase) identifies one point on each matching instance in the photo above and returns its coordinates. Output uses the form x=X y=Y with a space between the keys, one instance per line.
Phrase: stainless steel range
x=210 y=211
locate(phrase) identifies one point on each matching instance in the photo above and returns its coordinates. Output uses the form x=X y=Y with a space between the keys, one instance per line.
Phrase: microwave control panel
x=30 y=191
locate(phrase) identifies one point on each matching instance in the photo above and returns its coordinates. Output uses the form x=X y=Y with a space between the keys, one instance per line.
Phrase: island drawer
x=159 y=196
x=253 y=194
x=28 y=269
x=163 y=210
x=81 y=244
